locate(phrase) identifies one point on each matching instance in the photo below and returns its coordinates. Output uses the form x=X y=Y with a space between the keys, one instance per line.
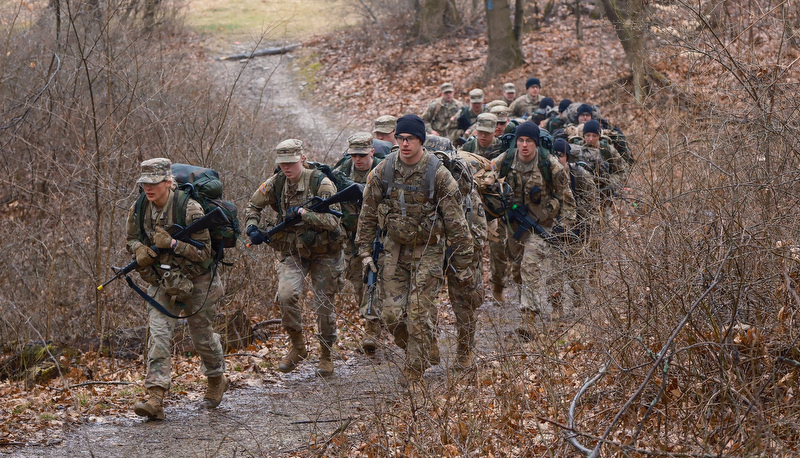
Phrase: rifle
x=371 y=278
x=527 y=222
x=317 y=204
x=213 y=219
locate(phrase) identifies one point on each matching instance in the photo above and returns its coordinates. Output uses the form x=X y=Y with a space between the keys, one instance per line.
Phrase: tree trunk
x=628 y=18
x=504 y=50
x=576 y=6
x=435 y=18
x=519 y=18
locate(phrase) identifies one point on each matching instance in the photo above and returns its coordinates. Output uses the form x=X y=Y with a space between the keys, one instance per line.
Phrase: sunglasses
x=401 y=139
x=358 y=155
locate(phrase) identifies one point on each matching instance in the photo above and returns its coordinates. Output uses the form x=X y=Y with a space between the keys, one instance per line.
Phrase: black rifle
x=317 y=204
x=371 y=278
x=213 y=219
x=526 y=222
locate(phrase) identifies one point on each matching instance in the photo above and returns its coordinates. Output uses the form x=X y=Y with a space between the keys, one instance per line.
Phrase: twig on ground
x=263 y=52
x=97 y=383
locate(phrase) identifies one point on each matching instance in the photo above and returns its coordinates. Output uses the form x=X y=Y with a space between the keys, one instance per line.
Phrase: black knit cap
x=531 y=82
x=530 y=130
x=411 y=124
x=547 y=102
x=585 y=108
x=563 y=105
x=561 y=147
x=592 y=127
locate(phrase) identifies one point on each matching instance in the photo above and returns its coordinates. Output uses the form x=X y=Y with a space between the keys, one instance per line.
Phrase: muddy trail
x=267 y=413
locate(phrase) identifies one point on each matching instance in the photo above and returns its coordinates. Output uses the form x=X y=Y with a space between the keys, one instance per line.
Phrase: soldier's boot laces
x=154 y=407
x=217 y=386
x=370 y=343
x=295 y=355
x=325 y=366
x=497 y=293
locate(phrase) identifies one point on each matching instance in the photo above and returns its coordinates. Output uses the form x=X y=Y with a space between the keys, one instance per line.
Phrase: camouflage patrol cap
x=155 y=170
x=494 y=103
x=501 y=112
x=437 y=143
x=289 y=151
x=476 y=96
x=447 y=87
x=385 y=124
x=360 y=143
x=509 y=88
x=486 y=122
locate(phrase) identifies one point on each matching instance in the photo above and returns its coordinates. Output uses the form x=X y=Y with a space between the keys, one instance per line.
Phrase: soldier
x=509 y=93
x=502 y=120
x=415 y=203
x=487 y=108
x=439 y=115
x=181 y=278
x=313 y=247
x=484 y=143
x=541 y=189
x=469 y=114
x=608 y=166
x=384 y=135
x=526 y=104
x=362 y=161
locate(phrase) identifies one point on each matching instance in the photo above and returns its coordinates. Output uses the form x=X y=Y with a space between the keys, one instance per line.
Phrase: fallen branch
x=309 y=422
x=266 y=323
x=263 y=52
x=98 y=383
x=245 y=354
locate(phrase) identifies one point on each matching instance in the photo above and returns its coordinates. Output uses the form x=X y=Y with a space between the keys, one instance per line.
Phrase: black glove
x=250 y=229
x=292 y=213
x=256 y=237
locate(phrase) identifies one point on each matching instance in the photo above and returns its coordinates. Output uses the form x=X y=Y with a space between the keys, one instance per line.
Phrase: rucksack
x=571 y=113
x=317 y=175
x=428 y=184
x=204 y=186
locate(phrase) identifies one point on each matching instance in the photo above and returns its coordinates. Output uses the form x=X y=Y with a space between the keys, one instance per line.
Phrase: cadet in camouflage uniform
x=502 y=120
x=383 y=134
x=312 y=247
x=415 y=202
x=609 y=167
x=441 y=113
x=551 y=203
x=484 y=143
x=356 y=169
x=526 y=104
x=469 y=114
x=509 y=93
x=181 y=279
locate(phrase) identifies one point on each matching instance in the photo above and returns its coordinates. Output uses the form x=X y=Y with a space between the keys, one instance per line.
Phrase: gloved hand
x=564 y=233
x=144 y=255
x=464 y=277
x=367 y=265
x=256 y=237
x=250 y=229
x=292 y=212
x=162 y=239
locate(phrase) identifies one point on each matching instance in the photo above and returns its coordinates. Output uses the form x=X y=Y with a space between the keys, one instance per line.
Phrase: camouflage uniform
x=525 y=105
x=415 y=226
x=485 y=122
x=440 y=116
x=466 y=117
x=542 y=264
x=608 y=167
x=584 y=258
x=313 y=247
x=191 y=265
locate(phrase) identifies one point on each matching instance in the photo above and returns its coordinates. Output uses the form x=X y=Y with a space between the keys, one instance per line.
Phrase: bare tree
x=435 y=18
x=504 y=50
x=628 y=18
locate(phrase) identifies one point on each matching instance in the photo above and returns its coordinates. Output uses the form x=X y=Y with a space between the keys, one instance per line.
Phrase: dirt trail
x=269 y=414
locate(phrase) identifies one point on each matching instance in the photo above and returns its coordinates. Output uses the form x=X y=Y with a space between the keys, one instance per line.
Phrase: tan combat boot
x=296 y=354
x=325 y=366
x=216 y=387
x=464 y=350
x=153 y=409
x=497 y=293
x=370 y=342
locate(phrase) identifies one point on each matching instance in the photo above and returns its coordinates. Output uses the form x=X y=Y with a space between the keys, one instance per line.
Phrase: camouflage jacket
x=490 y=152
x=190 y=260
x=605 y=163
x=317 y=233
x=351 y=210
x=556 y=201
x=587 y=196
x=437 y=116
x=415 y=216
x=525 y=104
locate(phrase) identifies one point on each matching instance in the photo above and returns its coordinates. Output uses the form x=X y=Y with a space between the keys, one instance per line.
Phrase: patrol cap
x=501 y=112
x=447 y=87
x=359 y=143
x=385 y=124
x=509 y=88
x=476 y=96
x=486 y=122
x=289 y=151
x=155 y=170
x=494 y=103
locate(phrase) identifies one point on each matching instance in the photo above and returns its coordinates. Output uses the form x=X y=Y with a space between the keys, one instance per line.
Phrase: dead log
x=263 y=52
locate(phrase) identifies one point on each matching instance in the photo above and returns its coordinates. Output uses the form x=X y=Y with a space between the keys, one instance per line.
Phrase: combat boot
x=528 y=329
x=497 y=292
x=325 y=366
x=370 y=342
x=217 y=386
x=296 y=354
x=464 y=349
x=153 y=409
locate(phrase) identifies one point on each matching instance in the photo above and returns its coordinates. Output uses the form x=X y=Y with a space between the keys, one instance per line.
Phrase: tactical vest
x=407 y=212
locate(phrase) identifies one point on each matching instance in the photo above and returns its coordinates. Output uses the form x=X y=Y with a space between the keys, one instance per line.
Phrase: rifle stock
x=213 y=219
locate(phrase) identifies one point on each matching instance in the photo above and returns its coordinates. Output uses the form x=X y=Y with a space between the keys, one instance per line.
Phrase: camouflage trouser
x=201 y=329
x=504 y=251
x=409 y=286
x=325 y=272
x=544 y=273
x=466 y=299
x=354 y=274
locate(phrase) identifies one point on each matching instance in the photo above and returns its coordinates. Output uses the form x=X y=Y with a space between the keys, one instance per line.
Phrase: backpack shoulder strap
x=179 y=202
x=138 y=212
x=430 y=175
x=277 y=191
x=388 y=174
x=316 y=180
x=505 y=166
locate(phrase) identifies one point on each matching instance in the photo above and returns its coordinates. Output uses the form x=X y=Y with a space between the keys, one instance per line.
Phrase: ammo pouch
x=149 y=275
x=176 y=285
x=410 y=227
